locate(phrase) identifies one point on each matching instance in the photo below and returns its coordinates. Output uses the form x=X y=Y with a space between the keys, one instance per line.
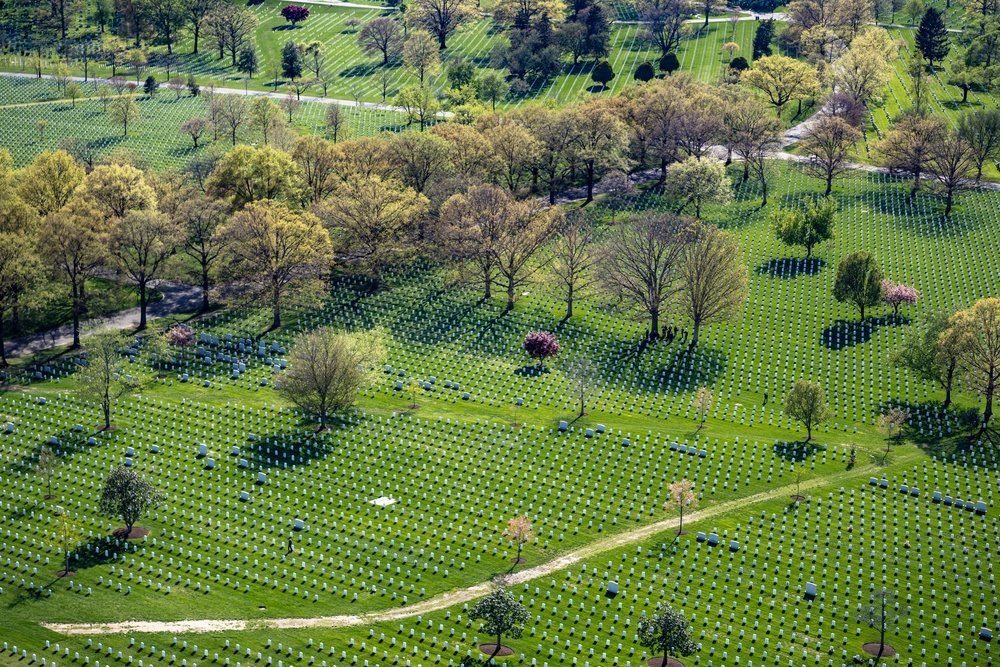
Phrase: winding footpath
x=438 y=602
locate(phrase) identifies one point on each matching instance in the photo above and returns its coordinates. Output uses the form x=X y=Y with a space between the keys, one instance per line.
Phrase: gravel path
x=436 y=603
x=177 y=298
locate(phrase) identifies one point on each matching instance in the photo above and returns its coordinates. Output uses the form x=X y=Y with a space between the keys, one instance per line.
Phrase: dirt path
x=437 y=602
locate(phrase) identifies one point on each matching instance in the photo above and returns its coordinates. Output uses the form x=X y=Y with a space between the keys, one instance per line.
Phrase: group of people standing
x=671 y=332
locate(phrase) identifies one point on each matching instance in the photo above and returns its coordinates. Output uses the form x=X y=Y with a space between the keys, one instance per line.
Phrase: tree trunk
x=442 y=39
x=829 y=184
x=142 y=305
x=949 y=200
x=763 y=201
x=76 y=316
x=204 y=288
x=196 y=32
x=106 y=407
x=275 y=313
x=947 y=386
x=3 y=348
x=862 y=309
x=510 y=295
x=988 y=412
x=809 y=431
x=569 y=302
x=694 y=335
x=654 y=324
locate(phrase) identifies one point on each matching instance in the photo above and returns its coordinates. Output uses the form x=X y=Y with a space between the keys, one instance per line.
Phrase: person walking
x=290 y=549
x=765 y=397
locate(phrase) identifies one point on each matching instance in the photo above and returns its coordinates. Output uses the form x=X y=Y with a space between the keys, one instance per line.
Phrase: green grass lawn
x=458 y=469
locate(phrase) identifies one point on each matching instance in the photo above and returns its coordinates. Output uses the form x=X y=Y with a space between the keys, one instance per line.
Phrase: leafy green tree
x=73 y=92
x=762 y=39
x=150 y=86
x=698 y=183
x=858 y=281
x=805 y=227
x=501 y=614
x=913 y=9
x=128 y=495
x=492 y=87
x=124 y=111
x=46 y=467
x=247 y=62
x=645 y=72
x=928 y=355
x=669 y=63
x=806 y=402
x=104 y=378
x=291 y=60
x=327 y=369
x=667 y=632
x=932 y=36
x=603 y=73
x=981 y=131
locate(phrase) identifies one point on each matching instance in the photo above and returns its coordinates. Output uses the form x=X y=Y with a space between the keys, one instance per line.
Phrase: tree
x=124 y=111
x=117 y=189
x=909 y=145
x=981 y=132
x=271 y=251
x=336 y=120
x=231 y=26
x=584 y=376
x=669 y=63
x=249 y=174
x=327 y=369
x=502 y=615
x=420 y=104
x=713 y=278
x=72 y=242
x=573 y=262
x=195 y=128
x=233 y=114
x=913 y=9
x=417 y=158
x=317 y=160
x=441 y=17
x=642 y=263
x=128 y=495
x=151 y=86
x=196 y=12
x=199 y=218
x=829 y=143
x=247 y=62
x=602 y=73
x=104 y=379
x=964 y=77
x=880 y=614
x=47 y=466
x=699 y=182
x=805 y=227
x=748 y=129
x=782 y=79
x=294 y=13
x=421 y=54
x=806 y=402
x=141 y=243
x=519 y=532
x=73 y=92
x=729 y=48
x=265 y=115
x=932 y=36
x=891 y=425
x=929 y=355
x=858 y=281
x=665 y=24
x=919 y=89
x=20 y=275
x=492 y=86
x=762 y=39
x=70 y=536
x=541 y=345
x=599 y=141
x=48 y=183
x=381 y=35
x=974 y=334
x=667 y=632
x=894 y=295
x=864 y=70
x=371 y=217
x=951 y=164
x=291 y=60
x=702 y=404
x=644 y=72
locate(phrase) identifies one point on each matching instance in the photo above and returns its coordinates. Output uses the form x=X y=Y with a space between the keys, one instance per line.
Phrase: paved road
x=177 y=298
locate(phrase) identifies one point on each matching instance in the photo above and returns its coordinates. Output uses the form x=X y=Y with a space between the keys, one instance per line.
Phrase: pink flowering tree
x=294 y=13
x=681 y=495
x=895 y=295
x=519 y=532
x=541 y=345
x=180 y=337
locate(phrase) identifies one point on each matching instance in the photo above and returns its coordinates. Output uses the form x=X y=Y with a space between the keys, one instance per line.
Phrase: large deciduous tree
x=829 y=143
x=48 y=183
x=641 y=265
x=713 y=278
x=782 y=79
x=383 y=36
x=574 y=260
x=141 y=243
x=699 y=183
x=975 y=334
x=117 y=189
x=909 y=145
x=198 y=219
x=104 y=378
x=858 y=281
x=929 y=355
x=247 y=174
x=501 y=614
x=442 y=18
x=327 y=369
x=73 y=244
x=981 y=131
x=951 y=163
x=270 y=251
x=806 y=226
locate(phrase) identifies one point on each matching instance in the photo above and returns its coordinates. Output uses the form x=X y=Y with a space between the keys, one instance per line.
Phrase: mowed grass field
x=458 y=468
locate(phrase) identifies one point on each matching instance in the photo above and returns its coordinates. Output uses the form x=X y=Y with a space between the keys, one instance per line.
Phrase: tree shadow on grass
x=532 y=371
x=847 y=333
x=796 y=452
x=791 y=267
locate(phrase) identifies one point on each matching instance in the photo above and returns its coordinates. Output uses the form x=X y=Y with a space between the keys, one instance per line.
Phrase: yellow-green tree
x=272 y=251
x=782 y=79
x=47 y=184
x=117 y=189
x=248 y=174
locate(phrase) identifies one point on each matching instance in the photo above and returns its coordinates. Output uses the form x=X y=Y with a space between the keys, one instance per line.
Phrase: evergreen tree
x=932 y=36
x=603 y=73
x=291 y=60
x=669 y=63
x=644 y=72
x=762 y=39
